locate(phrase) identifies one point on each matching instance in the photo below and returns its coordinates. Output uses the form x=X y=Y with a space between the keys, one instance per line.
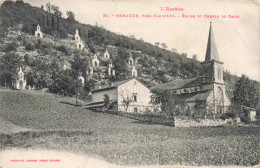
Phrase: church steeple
x=211 y=52
x=212 y=66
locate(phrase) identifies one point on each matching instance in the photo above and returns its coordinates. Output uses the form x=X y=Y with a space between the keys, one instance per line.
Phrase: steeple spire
x=211 y=52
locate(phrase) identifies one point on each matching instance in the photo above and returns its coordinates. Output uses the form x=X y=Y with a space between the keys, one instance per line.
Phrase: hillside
x=18 y=23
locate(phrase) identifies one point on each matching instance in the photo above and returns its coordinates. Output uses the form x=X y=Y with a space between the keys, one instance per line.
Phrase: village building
x=20 y=83
x=79 y=42
x=80 y=45
x=77 y=37
x=134 y=72
x=95 y=61
x=106 y=54
x=38 y=32
x=131 y=60
x=119 y=93
x=110 y=70
x=208 y=91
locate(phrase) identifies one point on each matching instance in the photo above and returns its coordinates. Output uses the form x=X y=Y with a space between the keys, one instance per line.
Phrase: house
x=206 y=91
x=120 y=94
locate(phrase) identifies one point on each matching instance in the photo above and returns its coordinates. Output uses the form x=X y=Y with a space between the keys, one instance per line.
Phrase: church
x=206 y=91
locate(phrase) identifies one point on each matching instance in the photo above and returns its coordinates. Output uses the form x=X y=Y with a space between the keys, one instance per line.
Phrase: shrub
x=10 y=47
x=62 y=49
x=29 y=47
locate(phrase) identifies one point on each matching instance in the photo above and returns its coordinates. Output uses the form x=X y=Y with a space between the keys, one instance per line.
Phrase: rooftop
x=178 y=84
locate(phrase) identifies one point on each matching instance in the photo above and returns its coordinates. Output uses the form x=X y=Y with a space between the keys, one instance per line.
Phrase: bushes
x=29 y=47
x=10 y=47
x=62 y=49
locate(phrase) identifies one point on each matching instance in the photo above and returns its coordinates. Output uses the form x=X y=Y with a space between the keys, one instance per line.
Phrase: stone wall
x=204 y=122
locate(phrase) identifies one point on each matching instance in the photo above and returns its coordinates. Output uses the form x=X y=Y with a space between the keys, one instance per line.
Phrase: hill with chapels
x=54 y=52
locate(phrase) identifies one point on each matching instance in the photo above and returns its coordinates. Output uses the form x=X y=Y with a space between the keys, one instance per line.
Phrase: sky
x=237 y=39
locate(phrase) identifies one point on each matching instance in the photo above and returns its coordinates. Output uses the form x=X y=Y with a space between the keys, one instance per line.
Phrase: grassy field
x=51 y=124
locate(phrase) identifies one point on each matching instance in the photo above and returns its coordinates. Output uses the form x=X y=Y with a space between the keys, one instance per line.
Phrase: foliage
x=10 y=47
x=9 y=64
x=106 y=100
x=63 y=49
x=246 y=92
x=126 y=101
x=70 y=16
x=121 y=63
x=170 y=103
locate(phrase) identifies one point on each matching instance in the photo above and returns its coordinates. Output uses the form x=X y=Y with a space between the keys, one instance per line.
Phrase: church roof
x=211 y=52
x=178 y=84
x=191 y=97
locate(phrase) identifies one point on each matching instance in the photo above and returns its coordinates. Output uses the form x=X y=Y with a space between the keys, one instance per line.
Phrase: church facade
x=206 y=91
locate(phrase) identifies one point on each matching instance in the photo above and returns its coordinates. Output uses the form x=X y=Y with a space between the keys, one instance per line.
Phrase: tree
x=126 y=101
x=121 y=63
x=157 y=44
x=106 y=100
x=170 y=103
x=9 y=63
x=246 y=92
x=56 y=11
x=194 y=56
x=70 y=16
x=10 y=47
x=48 y=7
x=174 y=50
x=164 y=45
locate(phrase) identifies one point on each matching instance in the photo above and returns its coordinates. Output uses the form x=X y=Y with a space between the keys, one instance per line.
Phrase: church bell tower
x=213 y=75
x=212 y=67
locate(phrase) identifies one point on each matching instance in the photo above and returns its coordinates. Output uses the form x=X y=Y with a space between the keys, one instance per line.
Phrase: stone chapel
x=20 y=83
x=208 y=90
x=38 y=32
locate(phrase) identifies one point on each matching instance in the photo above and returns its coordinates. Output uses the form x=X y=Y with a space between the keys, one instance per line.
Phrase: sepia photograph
x=120 y=83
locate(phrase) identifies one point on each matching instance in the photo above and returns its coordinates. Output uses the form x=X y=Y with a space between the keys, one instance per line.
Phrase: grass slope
x=120 y=140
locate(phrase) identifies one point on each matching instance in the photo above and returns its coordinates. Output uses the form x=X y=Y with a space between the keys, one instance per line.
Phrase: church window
x=219 y=73
x=135 y=98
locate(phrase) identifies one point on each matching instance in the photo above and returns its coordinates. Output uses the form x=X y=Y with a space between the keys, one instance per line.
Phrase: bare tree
x=126 y=101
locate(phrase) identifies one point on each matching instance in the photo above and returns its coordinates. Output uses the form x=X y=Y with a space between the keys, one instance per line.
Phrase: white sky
x=237 y=40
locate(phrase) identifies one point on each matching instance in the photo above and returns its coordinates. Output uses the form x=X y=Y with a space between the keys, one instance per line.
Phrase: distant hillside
x=155 y=65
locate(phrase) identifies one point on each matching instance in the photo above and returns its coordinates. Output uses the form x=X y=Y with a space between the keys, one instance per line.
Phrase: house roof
x=178 y=84
x=111 y=86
